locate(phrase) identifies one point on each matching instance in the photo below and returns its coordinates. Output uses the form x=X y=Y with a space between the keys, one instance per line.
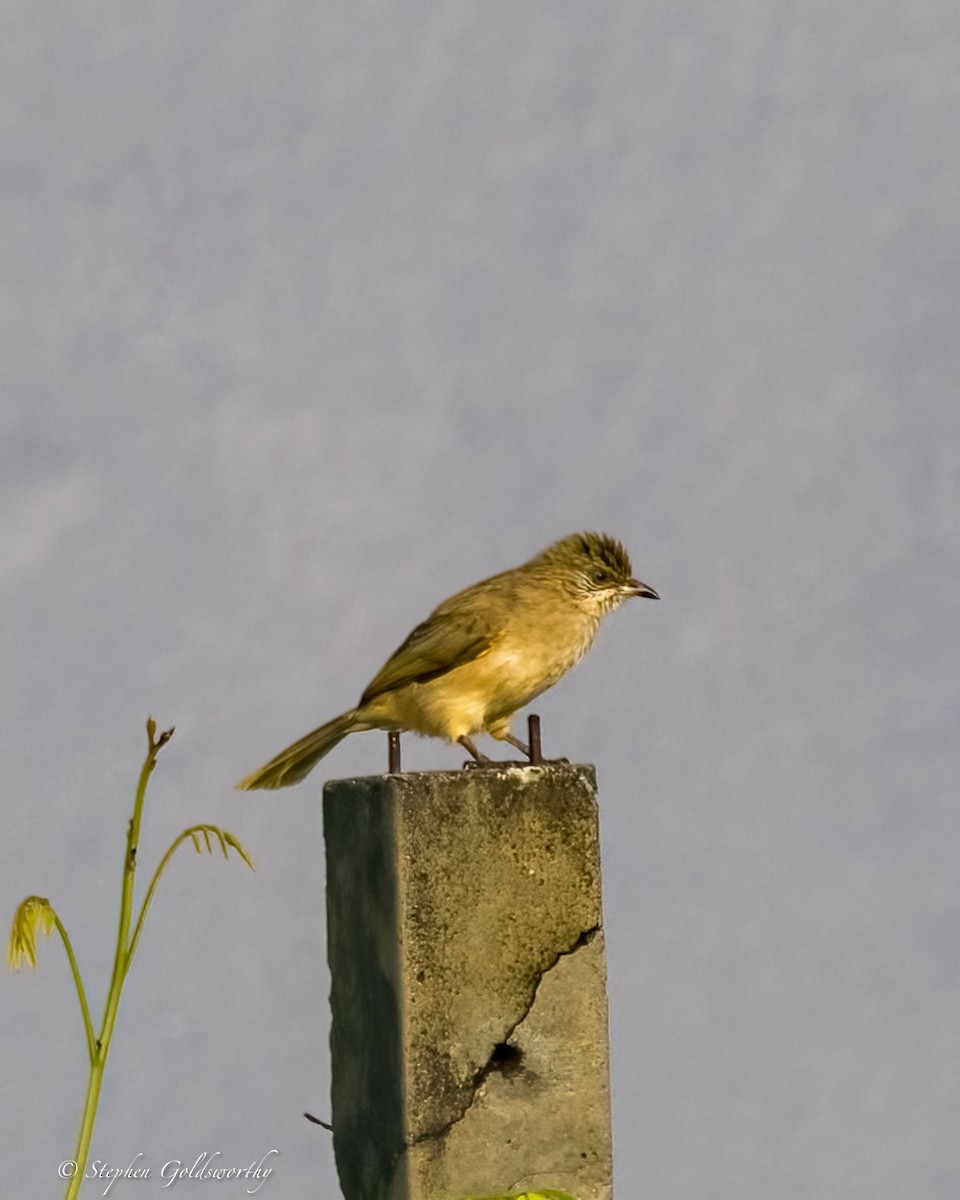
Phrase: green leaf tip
x=203 y=837
x=35 y=915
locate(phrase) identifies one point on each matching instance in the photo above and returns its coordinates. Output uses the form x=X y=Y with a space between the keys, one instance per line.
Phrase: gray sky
x=313 y=314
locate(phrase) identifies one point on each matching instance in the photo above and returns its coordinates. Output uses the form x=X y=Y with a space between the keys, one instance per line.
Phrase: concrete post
x=469 y=1036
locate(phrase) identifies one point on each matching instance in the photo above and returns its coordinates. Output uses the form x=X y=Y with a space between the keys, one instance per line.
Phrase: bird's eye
x=600 y=576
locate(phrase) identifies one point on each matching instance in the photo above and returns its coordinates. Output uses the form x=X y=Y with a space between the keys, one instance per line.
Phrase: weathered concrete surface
x=469 y=1035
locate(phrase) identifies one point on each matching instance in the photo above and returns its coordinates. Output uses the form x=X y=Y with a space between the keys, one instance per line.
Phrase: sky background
x=313 y=314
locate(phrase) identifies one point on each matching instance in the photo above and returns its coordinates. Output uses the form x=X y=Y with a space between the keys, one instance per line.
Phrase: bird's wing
x=457 y=632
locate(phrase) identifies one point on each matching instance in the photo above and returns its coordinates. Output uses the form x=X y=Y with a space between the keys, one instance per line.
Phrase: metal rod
x=533 y=726
x=393 y=752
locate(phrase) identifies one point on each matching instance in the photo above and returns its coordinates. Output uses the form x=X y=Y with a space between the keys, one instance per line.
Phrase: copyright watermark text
x=206 y=1167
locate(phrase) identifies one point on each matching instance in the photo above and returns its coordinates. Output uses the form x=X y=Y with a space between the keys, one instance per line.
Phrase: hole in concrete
x=505 y=1057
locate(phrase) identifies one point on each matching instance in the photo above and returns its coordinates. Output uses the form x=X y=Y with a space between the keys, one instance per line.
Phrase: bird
x=481 y=655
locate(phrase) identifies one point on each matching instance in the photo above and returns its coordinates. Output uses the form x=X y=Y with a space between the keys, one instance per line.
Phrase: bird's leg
x=532 y=751
x=501 y=731
x=515 y=741
x=474 y=753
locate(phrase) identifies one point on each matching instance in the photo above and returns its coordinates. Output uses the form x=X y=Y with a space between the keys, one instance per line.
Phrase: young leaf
x=34 y=915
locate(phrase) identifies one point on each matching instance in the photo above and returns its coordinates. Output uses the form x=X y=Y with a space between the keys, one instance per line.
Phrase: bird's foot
x=478 y=759
x=534 y=756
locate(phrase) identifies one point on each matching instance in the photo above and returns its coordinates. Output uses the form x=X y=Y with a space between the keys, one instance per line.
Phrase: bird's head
x=596 y=569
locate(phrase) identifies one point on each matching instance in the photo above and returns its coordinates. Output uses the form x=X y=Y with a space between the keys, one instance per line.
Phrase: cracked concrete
x=501 y=1061
x=469 y=1033
x=544 y=1122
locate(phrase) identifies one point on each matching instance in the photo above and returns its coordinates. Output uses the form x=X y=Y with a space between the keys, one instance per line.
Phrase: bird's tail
x=298 y=760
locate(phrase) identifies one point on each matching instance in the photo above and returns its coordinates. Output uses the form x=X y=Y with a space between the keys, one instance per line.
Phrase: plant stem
x=210 y=834
x=102 y=1045
x=86 y=1127
x=81 y=993
x=151 y=889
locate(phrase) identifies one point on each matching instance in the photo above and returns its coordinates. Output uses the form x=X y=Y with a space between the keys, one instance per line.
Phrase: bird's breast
x=525 y=661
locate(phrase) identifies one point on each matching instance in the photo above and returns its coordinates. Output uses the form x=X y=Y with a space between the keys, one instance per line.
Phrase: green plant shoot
x=36 y=915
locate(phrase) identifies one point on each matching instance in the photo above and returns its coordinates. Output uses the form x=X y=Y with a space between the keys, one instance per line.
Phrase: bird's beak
x=635 y=588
